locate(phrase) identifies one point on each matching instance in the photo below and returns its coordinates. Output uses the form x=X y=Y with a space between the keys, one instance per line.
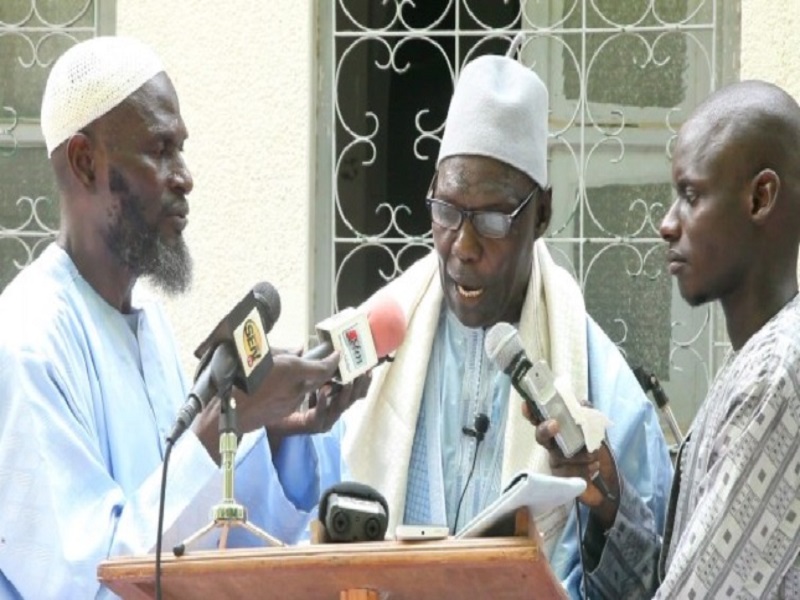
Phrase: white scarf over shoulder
x=380 y=429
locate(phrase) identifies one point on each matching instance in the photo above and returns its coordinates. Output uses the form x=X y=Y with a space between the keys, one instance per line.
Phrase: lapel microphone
x=478 y=430
x=479 y=427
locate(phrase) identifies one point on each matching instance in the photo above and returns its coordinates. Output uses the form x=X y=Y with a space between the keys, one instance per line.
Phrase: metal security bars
x=33 y=33
x=622 y=76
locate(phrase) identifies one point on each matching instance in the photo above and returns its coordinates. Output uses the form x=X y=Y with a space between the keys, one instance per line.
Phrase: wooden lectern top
x=497 y=568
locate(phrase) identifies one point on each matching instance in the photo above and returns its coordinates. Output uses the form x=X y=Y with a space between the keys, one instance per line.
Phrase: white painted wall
x=770 y=39
x=244 y=79
x=245 y=72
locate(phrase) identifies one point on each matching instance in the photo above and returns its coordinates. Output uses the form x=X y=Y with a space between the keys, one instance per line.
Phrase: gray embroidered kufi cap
x=499 y=109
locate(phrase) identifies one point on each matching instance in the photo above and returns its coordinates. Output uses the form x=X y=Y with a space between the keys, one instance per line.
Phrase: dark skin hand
x=273 y=404
x=584 y=465
x=325 y=406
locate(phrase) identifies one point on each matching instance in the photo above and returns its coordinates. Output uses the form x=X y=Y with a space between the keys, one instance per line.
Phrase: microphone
x=353 y=512
x=236 y=353
x=535 y=383
x=478 y=430
x=479 y=427
x=361 y=335
x=650 y=383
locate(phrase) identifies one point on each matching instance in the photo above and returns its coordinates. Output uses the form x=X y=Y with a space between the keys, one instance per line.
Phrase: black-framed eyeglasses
x=488 y=223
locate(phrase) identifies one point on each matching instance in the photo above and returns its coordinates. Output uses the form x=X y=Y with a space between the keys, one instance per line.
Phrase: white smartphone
x=416 y=533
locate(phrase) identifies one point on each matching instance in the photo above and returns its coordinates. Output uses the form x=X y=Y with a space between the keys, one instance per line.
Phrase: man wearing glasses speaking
x=416 y=437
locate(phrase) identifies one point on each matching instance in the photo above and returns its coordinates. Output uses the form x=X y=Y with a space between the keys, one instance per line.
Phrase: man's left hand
x=325 y=406
x=585 y=465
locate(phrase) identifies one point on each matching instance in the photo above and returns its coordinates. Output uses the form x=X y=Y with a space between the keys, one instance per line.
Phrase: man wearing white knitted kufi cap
x=103 y=100
x=89 y=80
x=90 y=379
x=441 y=431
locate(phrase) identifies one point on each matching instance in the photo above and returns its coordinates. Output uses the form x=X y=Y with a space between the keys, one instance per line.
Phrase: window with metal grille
x=33 y=33
x=622 y=76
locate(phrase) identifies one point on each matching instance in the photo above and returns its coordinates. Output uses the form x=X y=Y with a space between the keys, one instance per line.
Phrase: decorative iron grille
x=622 y=76
x=33 y=33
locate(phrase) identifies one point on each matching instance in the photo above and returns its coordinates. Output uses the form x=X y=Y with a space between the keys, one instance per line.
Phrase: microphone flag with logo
x=236 y=353
x=362 y=336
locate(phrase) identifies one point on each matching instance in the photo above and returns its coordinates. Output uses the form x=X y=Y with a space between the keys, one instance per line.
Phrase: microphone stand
x=228 y=513
x=650 y=383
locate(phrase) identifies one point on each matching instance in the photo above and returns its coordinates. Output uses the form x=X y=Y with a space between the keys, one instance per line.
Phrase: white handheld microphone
x=535 y=383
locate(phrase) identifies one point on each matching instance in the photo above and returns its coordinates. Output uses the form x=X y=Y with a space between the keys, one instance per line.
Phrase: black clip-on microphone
x=478 y=430
x=479 y=427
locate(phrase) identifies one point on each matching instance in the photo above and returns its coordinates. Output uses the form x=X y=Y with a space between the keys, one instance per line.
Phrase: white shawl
x=380 y=428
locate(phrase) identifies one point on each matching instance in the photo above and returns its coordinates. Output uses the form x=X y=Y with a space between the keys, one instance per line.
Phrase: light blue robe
x=85 y=406
x=461 y=381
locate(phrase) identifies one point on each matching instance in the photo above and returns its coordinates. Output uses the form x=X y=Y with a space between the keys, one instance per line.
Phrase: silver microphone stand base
x=228 y=513
x=226 y=516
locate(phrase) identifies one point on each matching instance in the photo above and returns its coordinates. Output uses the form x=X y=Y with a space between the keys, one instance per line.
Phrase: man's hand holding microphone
x=572 y=434
x=270 y=386
x=353 y=341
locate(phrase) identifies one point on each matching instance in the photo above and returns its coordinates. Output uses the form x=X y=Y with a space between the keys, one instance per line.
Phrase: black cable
x=478 y=440
x=582 y=550
x=161 y=502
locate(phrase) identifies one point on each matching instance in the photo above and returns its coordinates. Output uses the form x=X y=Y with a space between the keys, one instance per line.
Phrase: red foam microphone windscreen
x=387 y=324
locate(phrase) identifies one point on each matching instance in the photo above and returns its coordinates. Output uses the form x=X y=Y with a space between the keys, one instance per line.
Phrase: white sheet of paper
x=538 y=492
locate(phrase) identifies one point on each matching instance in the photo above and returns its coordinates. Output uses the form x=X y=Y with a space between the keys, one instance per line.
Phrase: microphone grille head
x=269 y=303
x=502 y=344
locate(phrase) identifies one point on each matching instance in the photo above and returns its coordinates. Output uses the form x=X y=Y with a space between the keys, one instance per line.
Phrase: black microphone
x=478 y=430
x=479 y=427
x=353 y=512
x=236 y=353
x=534 y=382
x=650 y=383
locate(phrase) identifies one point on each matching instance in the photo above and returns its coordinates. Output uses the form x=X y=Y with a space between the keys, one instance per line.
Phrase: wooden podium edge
x=132 y=577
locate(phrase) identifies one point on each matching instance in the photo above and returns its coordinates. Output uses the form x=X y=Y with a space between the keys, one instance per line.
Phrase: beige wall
x=245 y=81
x=770 y=42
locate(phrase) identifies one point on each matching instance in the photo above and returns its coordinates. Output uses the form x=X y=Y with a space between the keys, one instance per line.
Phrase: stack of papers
x=540 y=493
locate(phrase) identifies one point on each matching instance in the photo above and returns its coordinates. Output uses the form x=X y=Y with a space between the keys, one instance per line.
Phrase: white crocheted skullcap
x=499 y=109
x=90 y=79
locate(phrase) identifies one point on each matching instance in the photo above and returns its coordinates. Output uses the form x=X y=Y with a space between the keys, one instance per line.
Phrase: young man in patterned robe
x=733 y=526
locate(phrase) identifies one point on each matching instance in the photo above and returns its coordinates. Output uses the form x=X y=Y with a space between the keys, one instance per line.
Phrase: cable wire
x=161 y=502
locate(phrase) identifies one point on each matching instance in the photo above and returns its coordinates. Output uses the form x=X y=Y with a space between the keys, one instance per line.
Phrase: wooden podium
x=511 y=567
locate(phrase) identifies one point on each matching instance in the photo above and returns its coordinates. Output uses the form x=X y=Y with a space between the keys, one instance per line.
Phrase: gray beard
x=141 y=248
x=172 y=271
